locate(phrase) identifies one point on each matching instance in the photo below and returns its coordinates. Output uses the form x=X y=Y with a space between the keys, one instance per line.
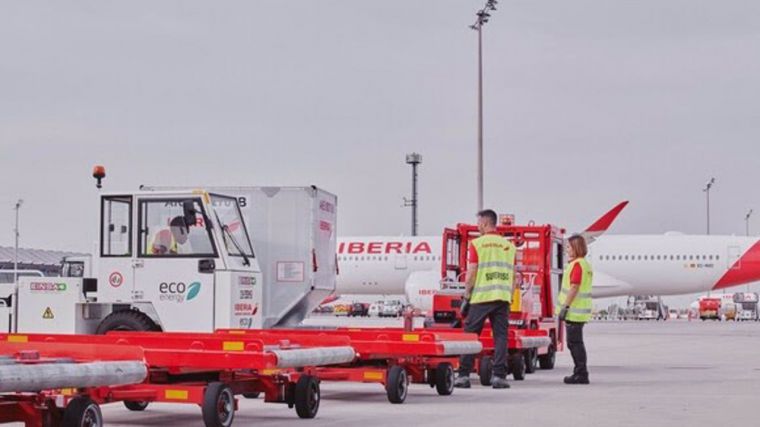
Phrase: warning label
x=48 y=314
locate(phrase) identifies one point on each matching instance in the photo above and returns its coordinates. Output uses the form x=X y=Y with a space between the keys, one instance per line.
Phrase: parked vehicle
x=709 y=308
x=375 y=308
x=392 y=308
x=358 y=310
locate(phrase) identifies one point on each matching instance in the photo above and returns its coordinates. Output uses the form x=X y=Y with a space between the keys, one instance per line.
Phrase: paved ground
x=675 y=373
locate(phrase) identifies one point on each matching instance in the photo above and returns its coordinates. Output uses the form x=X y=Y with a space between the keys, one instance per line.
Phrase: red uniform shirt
x=576 y=275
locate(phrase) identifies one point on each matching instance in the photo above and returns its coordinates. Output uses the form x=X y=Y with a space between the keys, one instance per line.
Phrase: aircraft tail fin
x=603 y=223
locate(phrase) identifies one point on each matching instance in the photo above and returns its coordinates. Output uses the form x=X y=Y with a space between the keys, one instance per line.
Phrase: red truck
x=709 y=308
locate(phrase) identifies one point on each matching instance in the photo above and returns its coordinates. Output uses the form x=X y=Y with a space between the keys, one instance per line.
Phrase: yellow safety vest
x=496 y=260
x=581 y=308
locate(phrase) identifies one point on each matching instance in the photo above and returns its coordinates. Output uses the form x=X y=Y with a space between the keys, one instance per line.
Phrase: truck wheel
x=307 y=397
x=82 y=412
x=517 y=366
x=397 y=385
x=485 y=370
x=531 y=360
x=444 y=379
x=136 y=405
x=127 y=320
x=218 y=405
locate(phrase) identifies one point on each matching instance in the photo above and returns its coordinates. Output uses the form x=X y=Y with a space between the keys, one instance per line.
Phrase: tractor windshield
x=234 y=232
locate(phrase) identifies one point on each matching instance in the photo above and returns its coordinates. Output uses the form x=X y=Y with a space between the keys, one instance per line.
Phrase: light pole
x=482 y=17
x=707 y=188
x=15 y=250
x=746 y=220
x=413 y=159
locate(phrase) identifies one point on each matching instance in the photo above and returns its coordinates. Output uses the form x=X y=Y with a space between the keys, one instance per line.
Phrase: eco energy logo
x=178 y=291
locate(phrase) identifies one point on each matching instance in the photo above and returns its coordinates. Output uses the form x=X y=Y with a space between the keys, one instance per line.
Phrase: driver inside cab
x=170 y=241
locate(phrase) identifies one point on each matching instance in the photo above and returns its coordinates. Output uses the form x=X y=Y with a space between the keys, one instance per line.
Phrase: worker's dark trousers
x=576 y=346
x=498 y=313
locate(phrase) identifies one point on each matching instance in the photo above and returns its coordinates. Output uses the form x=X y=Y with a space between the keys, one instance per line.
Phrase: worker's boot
x=577 y=379
x=499 y=382
x=462 y=382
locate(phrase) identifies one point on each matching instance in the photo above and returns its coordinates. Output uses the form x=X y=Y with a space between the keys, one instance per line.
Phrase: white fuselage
x=667 y=264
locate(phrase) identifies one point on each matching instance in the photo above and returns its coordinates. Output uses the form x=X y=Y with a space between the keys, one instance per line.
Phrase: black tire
x=307 y=397
x=136 y=405
x=546 y=361
x=254 y=395
x=82 y=412
x=397 y=385
x=444 y=379
x=218 y=405
x=517 y=366
x=127 y=320
x=485 y=370
x=531 y=360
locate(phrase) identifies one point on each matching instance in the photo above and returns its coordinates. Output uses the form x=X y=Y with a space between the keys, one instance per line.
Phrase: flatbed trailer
x=393 y=357
x=535 y=334
x=204 y=369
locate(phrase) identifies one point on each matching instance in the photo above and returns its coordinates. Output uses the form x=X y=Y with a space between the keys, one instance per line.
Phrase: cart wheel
x=136 y=405
x=444 y=379
x=517 y=366
x=546 y=361
x=82 y=412
x=397 y=385
x=485 y=370
x=254 y=395
x=307 y=397
x=218 y=405
x=531 y=361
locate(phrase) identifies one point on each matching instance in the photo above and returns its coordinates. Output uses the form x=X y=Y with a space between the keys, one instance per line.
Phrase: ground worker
x=575 y=306
x=488 y=293
x=169 y=241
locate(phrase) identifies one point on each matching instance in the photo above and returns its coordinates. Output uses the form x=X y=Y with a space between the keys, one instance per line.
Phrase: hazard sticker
x=115 y=279
x=48 y=314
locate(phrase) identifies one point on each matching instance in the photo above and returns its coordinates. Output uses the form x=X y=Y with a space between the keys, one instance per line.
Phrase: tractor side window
x=164 y=233
x=116 y=226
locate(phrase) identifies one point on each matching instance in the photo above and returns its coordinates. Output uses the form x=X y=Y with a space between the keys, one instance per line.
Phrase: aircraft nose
x=744 y=270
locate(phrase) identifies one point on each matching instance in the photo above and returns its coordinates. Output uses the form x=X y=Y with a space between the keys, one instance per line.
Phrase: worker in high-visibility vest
x=170 y=240
x=574 y=305
x=488 y=293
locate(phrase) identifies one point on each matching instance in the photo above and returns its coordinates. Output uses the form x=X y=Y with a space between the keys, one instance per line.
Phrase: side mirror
x=206 y=266
x=188 y=212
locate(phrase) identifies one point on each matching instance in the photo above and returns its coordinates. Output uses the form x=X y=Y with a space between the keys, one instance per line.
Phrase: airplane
x=669 y=264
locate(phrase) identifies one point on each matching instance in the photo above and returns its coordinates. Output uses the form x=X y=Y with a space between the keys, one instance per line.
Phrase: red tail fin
x=602 y=224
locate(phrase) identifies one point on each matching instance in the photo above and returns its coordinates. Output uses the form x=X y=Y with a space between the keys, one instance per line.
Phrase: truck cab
x=168 y=260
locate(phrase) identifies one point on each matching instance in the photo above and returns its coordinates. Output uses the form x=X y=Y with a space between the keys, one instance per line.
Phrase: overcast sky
x=587 y=102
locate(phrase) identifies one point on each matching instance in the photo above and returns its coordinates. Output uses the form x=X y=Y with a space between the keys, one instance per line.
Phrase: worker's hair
x=578 y=243
x=177 y=221
x=488 y=214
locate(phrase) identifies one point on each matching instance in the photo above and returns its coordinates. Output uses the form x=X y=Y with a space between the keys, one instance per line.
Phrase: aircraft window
x=658 y=257
x=717 y=256
x=711 y=257
x=626 y=257
x=639 y=257
x=691 y=257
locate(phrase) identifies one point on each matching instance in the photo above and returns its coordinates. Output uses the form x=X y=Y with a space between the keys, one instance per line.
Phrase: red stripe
x=746 y=269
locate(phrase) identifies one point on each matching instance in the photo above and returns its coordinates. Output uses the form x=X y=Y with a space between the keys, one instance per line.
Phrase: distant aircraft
x=669 y=264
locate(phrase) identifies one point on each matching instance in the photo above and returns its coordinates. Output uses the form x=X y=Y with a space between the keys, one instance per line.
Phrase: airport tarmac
x=652 y=374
